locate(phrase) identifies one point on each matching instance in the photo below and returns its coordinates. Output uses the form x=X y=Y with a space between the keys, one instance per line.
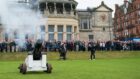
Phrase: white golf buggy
x=36 y=61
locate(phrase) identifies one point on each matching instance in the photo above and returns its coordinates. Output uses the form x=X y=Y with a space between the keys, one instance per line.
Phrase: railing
x=62 y=15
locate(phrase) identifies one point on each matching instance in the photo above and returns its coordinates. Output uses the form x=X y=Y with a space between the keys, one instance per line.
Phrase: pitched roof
x=102 y=4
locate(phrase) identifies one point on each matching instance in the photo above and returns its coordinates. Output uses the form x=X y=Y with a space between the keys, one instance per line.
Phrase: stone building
x=96 y=23
x=127 y=20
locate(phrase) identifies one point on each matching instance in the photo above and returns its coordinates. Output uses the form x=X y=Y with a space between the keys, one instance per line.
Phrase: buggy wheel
x=49 y=68
x=23 y=69
x=20 y=68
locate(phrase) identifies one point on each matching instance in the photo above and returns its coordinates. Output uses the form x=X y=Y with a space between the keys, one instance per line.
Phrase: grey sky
x=83 y=4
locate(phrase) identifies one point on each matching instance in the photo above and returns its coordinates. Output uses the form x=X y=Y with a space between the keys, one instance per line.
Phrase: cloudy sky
x=83 y=4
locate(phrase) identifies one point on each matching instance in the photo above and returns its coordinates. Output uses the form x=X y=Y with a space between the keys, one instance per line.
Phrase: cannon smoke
x=19 y=18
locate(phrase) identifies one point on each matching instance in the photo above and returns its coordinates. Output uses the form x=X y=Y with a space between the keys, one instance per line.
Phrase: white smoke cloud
x=19 y=17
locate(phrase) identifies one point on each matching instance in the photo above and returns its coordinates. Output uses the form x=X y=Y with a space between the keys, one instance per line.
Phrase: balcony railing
x=62 y=15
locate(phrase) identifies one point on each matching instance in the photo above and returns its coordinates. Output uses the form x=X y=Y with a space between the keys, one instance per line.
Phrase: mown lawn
x=108 y=65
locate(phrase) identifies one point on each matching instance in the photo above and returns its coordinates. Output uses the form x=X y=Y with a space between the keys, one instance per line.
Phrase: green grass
x=108 y=65
x=74 y=55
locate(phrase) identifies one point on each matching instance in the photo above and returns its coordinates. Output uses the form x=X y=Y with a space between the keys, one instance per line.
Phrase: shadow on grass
x=37 y=73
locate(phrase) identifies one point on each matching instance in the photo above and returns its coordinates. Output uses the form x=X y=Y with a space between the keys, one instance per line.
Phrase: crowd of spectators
x=71 y=46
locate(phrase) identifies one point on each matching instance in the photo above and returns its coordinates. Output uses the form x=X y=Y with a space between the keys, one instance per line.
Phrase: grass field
x=108 y=65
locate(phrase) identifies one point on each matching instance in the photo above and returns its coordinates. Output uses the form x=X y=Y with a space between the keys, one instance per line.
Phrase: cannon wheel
x=49 y=68
x=23 y=68
x=20 y=70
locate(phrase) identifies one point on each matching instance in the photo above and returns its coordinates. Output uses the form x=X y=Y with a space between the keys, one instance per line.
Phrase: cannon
x=36 y=60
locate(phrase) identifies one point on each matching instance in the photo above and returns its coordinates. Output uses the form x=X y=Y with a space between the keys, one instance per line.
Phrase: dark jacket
x=93 y=47
x=62 y=49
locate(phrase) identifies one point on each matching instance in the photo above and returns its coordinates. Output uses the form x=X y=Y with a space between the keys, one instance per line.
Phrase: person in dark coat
x=10 y=46
x=14 y=44
x=1 y=47
x=5 y=46
x=37 y=51
x=93 y=50
x=63 y=51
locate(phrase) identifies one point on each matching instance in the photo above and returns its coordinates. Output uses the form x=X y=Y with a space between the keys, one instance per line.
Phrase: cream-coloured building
x=62 y=19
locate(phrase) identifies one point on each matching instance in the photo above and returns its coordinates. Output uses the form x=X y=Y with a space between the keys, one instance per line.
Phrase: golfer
x=63 y=51
x=93 y=50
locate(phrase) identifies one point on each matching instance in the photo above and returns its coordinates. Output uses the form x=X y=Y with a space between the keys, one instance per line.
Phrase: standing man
x=63 y=51
x=93 y=50
x=1 y=49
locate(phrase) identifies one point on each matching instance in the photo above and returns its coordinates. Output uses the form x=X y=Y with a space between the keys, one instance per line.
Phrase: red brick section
x=127 y=25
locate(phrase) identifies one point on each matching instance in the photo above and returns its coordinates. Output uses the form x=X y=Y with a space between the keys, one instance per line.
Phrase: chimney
x=116 y=6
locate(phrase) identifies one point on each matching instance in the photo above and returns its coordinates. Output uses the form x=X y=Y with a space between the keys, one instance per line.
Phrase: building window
x=51 y=36
x=103 y=28
x=42 y=32
x=60 y=28
x=85 y=25
x=51 y=8
x=51 y=28
x=60 y=36
x=60 y=32
x=69 y=32
x=59 y=8
x=90 y=37
x=51 y=32
x=69 y=37
x=42 y=28
x=69 y=28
